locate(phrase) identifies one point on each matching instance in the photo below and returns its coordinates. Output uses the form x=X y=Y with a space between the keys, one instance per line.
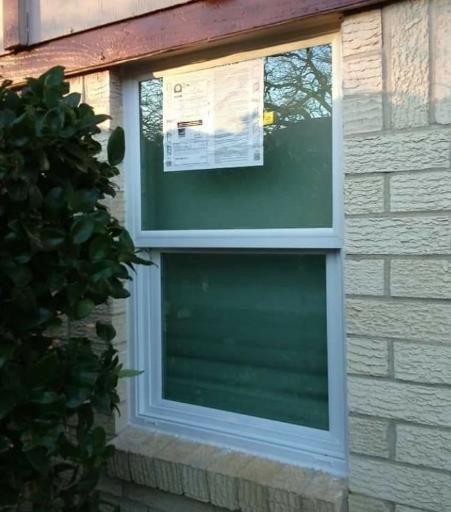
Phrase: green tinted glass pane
x=293 y=189
x=247 y=333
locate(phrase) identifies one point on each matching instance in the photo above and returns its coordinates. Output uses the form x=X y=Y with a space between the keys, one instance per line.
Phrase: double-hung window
x=234 y=188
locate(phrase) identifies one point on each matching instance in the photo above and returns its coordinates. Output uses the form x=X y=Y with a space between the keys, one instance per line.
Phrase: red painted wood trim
x=13 y=23
x=193 y=24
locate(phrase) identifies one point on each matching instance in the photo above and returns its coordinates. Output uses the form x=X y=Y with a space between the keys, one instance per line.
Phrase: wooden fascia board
x=195 y=24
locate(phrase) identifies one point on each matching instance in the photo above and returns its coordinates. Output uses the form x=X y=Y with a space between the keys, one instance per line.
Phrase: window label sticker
x=268 y=118
x=214 y=118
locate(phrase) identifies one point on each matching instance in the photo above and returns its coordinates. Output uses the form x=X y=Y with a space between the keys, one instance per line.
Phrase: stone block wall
x=397 y=162
x=103 y=91
x=397 y=131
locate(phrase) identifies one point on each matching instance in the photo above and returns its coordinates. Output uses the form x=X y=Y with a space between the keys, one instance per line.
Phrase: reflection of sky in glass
x=297 y=87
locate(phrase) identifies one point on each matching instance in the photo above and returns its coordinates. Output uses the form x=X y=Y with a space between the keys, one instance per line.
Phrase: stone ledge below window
x=228 y=479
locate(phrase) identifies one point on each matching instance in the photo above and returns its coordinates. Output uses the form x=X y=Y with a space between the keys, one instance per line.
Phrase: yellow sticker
x=268 y=118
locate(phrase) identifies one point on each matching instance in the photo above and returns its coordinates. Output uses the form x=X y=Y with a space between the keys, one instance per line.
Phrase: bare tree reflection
x=151 y=103
x=298 y=87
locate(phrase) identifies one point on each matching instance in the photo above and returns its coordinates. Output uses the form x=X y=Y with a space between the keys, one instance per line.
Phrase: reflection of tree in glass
x=151 y=103
x=298 y=85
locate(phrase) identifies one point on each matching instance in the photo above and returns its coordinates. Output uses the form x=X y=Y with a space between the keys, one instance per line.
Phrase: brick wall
x=397 y=115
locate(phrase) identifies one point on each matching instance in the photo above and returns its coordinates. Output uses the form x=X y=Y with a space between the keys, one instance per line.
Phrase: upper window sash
x=296 y=238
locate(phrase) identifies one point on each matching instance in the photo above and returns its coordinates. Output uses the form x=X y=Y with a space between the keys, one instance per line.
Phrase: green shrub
x=61 y=254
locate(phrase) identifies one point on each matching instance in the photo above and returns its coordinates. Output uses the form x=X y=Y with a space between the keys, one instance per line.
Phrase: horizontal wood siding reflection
x=306 y=411
x=247 y=334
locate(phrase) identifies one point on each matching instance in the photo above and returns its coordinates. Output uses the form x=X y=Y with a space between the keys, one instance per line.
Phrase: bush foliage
x=61 y=254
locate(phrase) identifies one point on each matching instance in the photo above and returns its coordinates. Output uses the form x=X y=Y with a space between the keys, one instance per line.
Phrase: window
x=238 y=322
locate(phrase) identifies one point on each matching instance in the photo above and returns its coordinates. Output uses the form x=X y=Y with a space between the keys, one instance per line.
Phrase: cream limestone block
x=362 y=32
x=423 y=363
x=420 y=191
x=409 y=150
x=399 y=235
x=411 y=486
x=367 y=356
x=359 y=503
x=406 y=36
x=424 y=446
x=428 y=278
x=399 y=400
x=441 y=60
x=362 y=113
x=362 y=90
x=364 y=194
x=362 y=75
x=416 y=321
x=364 y=276
x=369 y=436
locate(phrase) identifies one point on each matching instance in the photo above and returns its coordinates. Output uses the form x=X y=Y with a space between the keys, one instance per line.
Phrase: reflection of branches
x=152 y=108
x=298 y=86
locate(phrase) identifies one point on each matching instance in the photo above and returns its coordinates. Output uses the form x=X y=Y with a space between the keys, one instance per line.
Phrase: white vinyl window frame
x=325 y=450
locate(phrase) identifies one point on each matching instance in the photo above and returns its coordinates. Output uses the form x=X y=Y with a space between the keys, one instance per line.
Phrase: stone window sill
x=229 y=479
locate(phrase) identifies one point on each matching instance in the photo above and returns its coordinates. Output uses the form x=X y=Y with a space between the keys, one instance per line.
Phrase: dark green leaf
x=55 y=198
x=78 y=397
x=6 y=351
x=72 y=99
x=116 y=146
x=62 y=252
x=126 y=242
x=102 y=403
x=24 y=300
x=125 y=373
x=34 y=196
x=5 y=444
x=45 y=370
x=11 y=100
x=18 y=191
x=102 y=270
x=100 y=247
x=52 y=238
x=51 y=98
x=84 y=308
x=82 y=230
x=84 y=200
x=118 y=291
x=98 y=439
x=20 y=275
x=7 y=403
x=39 y=459
x=44 y=164
x=45 y=397
x=56 y=281
x=53 y=77
x=36 y=317
x=53 y=120
x=101 y=118
x=105 y=331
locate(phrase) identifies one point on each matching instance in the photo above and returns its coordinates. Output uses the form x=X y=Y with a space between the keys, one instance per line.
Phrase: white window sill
x=229 y=479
